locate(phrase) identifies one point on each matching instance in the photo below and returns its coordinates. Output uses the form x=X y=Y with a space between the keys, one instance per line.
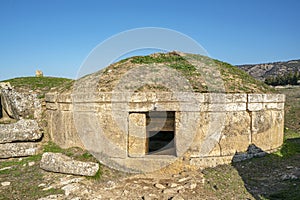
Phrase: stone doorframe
x=139 y=130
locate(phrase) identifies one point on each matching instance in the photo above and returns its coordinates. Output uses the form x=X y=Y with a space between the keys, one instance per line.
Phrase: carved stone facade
x=203 y=129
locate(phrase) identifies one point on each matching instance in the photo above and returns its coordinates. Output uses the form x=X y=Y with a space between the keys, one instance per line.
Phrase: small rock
x=193 y=186
x=70 y=188
x=5 y=168
x=215 y=187
x=145 y=187
x=42 y=185
x=172 y=185
x=5 y=183
x=110 y=185
x=159 y=186
x=180 y=187
x=30 y=164
x=183 y=179
x=52 y=197
x=177 y=197
x=288 y=177
x=76 y=198
x=48 y=188
x=74 y=180
x=125 y=192
x=169 y=191
x=146 y=197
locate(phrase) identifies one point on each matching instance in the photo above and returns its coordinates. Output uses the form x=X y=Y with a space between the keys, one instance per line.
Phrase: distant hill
x=275 y=69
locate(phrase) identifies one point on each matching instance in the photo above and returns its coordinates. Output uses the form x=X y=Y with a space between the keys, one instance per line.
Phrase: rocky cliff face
x=265 y=70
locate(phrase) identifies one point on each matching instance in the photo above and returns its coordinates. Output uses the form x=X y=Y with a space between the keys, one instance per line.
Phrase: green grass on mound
x=40 y=84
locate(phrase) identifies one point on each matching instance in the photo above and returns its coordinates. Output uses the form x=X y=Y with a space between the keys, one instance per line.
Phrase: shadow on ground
x=275 y=176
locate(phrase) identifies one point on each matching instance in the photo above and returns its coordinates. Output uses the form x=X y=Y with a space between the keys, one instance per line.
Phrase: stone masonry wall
x=215 y=126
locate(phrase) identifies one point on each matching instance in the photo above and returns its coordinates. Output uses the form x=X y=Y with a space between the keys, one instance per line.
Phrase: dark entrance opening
x=161 y=141
x=160 y=133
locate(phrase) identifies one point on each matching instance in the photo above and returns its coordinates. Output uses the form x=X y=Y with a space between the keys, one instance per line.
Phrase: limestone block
x=51 y=97
x=236 y=133
x=278 y=129
x=137 y=135
x=102 y=133
x=8 y=106
x=57 y=162
x=23 y=130
x=186 y=129
x=255 y=98
x=273 y=98
x=113 y=126
x=267 y=129
x=275 y=106
x=231 y=145
x=236 y=98
x=141 y=107
x=61 y=129
x=65 y=106
x=51 y=106
x=234 y=107
x=255 y=106
x=215 y=98
x=64 y=98
x=210 y=161
x=10 y=150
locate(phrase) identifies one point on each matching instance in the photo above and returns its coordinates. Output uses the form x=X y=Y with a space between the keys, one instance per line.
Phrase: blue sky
x=57 y=35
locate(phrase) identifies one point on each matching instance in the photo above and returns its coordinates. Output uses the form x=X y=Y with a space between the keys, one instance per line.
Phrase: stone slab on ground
x=23 y=130
x=10 y=150
x=57 y=162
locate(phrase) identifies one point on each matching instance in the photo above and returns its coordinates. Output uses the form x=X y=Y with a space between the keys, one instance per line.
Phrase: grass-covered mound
x=212 y=75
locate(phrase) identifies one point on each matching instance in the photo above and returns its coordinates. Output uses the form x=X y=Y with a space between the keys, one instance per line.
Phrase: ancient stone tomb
x=144 y=113
x=146 y=130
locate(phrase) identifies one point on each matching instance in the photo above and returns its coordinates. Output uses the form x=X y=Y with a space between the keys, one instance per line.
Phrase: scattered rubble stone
x=5 y=183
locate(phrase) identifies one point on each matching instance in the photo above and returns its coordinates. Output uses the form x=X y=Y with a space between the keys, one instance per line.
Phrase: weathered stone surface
x=10 y=150
x=210 y=161
x=61 y=129
x=5 y=85
x=267 y=129
x=57 y=162
x=22 y=130
x=20 y=105
x=137 y=135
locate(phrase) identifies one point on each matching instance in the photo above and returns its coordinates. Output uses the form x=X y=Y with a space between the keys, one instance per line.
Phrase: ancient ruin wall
x=248 y=119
